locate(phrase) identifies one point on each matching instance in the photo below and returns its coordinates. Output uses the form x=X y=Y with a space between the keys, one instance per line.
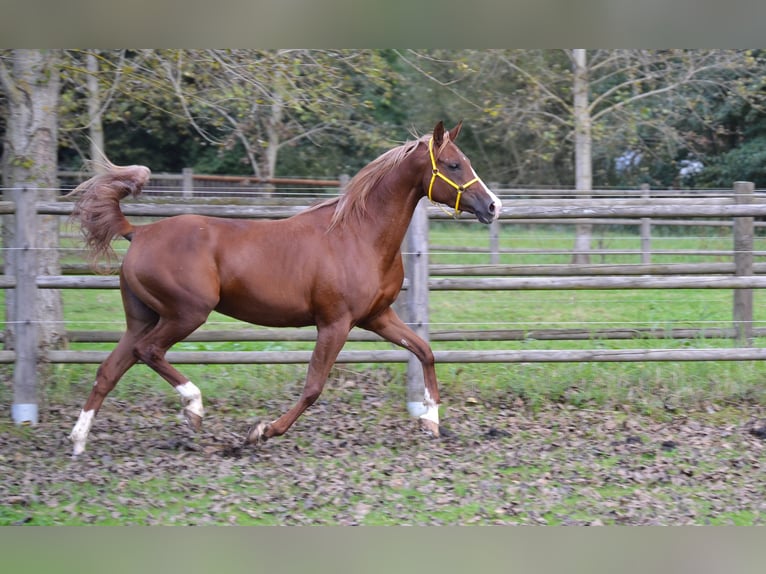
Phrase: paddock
x=733 y=210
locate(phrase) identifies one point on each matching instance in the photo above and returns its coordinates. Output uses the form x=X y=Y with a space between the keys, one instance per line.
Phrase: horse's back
x=261 y=271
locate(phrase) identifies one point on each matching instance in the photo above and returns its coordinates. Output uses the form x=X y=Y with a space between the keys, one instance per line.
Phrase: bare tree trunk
x=272 y=149
x=31 y=85
x=583 y=160
x=96 y=126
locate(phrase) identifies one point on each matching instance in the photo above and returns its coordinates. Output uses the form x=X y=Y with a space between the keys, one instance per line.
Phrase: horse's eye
x=453 y=166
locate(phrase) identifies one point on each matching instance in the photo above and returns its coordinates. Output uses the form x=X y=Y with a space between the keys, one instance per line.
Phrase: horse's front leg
x=330 y=340
x=389 y=326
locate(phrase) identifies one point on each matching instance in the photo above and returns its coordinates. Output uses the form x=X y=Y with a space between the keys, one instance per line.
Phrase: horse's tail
x=98 y=205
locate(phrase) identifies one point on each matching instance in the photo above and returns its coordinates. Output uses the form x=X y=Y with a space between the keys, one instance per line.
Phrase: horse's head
x=452 y=181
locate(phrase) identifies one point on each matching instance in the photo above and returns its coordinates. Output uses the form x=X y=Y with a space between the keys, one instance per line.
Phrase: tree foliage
x=141 y=117
x=271 y=103
x=666 y=117
x=650 y=110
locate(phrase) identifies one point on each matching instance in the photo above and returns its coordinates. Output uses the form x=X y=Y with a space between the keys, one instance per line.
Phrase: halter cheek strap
x=436 y=173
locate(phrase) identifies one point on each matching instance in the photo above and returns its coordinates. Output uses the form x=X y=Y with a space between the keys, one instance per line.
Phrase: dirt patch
x=356 y=458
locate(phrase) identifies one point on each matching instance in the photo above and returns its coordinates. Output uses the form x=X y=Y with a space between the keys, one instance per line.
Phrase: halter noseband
x=436 y=173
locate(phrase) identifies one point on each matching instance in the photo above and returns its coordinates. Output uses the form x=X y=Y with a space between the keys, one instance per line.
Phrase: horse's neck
x=389 y=215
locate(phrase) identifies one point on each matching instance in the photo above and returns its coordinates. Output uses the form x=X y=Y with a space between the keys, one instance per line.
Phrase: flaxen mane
x=352 y=203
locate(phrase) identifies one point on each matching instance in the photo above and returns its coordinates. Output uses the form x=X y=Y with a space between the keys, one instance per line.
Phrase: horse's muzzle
x=488 y=211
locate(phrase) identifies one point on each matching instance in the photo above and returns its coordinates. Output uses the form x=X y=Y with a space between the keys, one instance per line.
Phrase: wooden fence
x=740 y=206
x=188 y=184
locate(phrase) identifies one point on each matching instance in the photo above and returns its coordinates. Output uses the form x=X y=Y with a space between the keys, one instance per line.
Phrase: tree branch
x=434 y=79
x=9 y=85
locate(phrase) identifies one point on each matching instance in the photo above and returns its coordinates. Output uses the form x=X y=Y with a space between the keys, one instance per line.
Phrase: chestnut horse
x=336 y=265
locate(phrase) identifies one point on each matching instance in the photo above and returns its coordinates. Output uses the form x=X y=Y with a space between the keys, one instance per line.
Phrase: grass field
x=649 y=386
x=568 y=443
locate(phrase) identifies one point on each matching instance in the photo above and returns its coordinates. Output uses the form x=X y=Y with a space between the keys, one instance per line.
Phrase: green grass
x=649 y=385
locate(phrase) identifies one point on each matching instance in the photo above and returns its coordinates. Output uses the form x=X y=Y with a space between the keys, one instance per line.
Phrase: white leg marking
x=427 y=409
x=432 y=409
x=79 y=434
x=431 y=414
x=192 y=398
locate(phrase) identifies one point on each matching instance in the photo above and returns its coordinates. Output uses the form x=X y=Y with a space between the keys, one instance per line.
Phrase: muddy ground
x=356 y=458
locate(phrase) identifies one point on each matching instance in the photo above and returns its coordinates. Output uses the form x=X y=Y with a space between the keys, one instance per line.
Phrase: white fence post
x=25 y=409
x=416 y=269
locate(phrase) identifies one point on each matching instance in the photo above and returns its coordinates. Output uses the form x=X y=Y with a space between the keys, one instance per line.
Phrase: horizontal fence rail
x=357 y=335
x=479 y=284
x=558 y=209
x=393 y=356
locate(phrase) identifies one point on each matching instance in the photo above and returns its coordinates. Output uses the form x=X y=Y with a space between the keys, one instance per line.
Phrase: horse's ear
x=453 y=133
x=439 y=134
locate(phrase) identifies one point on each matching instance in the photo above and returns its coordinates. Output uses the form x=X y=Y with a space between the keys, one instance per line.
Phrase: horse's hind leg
x=109 y=372
x=147 y=339
x=151 y=349
x=140 y=319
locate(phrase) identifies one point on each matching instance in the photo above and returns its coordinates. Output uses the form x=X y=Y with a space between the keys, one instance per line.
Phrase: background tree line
x=665 y=117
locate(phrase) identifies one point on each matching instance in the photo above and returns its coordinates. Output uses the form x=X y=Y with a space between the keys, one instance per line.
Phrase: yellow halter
x=436 y=173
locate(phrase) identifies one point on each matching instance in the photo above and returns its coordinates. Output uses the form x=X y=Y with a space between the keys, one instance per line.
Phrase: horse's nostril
x=492 y=207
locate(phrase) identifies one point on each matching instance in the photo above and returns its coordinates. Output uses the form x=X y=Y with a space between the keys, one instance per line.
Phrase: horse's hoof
x=430 y=427
x=193 y=420
x=257 y=433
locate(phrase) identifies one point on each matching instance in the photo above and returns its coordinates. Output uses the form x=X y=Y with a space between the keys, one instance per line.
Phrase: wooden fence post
x=343 y=179
x=494 y=242
x=187 y=182
x=416 y=268
x=646 y=230
x=494 y=236
x=24 y=409
x=743 y=263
